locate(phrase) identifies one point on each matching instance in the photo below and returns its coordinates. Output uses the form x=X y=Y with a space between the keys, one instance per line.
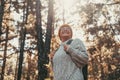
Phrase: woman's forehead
x=65 y=27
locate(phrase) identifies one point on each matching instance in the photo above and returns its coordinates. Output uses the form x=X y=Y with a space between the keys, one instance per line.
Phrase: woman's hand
x=51 y=55
x=66 y=47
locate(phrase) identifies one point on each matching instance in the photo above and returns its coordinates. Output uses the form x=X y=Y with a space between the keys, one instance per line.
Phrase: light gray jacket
x=64 y=66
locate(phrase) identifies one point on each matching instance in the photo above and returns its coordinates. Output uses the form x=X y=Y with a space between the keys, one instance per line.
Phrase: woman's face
x=65 y=32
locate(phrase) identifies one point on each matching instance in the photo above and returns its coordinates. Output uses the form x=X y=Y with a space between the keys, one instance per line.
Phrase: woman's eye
x=65 y=31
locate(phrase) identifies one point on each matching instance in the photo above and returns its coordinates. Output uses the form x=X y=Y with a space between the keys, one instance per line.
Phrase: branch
x=9 y=38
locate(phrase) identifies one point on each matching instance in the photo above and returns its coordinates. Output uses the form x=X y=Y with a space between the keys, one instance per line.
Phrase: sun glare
x=67 y=3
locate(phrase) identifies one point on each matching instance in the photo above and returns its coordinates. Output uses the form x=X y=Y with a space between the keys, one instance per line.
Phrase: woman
x=68 y=60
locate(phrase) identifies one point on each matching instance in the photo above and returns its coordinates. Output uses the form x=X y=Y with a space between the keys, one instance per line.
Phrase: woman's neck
x=64 y=39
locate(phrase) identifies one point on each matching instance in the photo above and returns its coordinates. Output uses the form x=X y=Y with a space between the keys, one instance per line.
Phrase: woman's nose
x=65 y=30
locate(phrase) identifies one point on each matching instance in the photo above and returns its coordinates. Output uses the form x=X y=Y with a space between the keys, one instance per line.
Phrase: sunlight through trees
x=28 y=30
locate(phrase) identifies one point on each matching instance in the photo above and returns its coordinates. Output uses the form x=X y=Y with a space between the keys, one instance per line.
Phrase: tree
x=43 y=48
x=2 y=3
x=4 y=57
x=102 y=35
x=22 y=43
x=100 y=21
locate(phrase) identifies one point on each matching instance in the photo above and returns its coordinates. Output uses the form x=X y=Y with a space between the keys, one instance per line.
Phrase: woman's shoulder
x=77 y=40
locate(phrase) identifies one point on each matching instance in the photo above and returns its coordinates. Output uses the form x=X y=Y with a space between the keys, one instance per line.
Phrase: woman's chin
x=65 y=36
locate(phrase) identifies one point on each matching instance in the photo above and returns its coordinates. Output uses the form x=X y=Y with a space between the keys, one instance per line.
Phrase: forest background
x=28 y=34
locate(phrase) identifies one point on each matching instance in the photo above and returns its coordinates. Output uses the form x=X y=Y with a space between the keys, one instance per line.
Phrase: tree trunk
x=4 y=57
x=27 y=10
x=43 y=50
x=49 y=29
x=40 y=44
x=22 y=43
x=1 y=14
